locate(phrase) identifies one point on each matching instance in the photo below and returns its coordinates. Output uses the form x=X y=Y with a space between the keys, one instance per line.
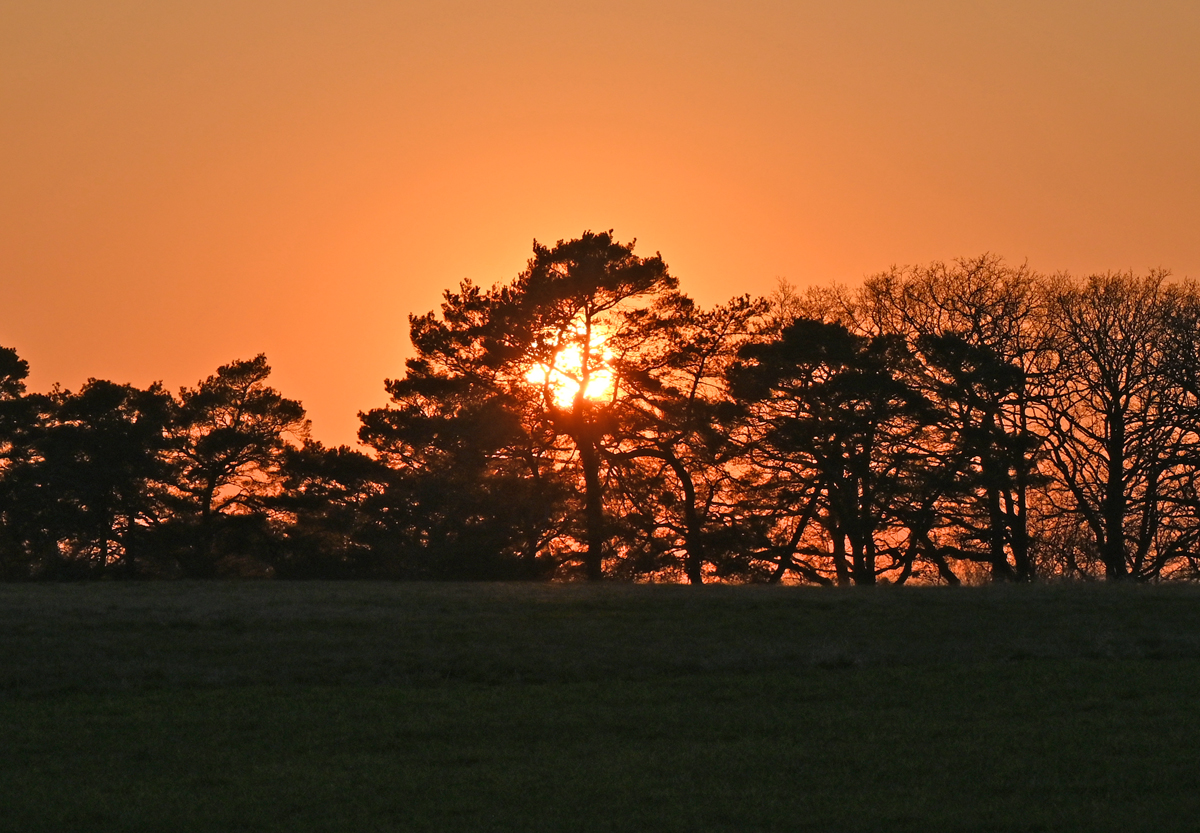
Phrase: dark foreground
x=359 y=707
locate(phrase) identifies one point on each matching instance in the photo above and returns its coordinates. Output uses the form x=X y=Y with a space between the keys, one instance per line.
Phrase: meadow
x=254 y=706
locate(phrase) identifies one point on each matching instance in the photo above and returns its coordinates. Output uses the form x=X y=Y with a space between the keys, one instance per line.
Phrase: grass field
x=360 y=707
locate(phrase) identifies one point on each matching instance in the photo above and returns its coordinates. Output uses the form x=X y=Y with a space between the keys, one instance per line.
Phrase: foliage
x=500 y=393
x=954 y=422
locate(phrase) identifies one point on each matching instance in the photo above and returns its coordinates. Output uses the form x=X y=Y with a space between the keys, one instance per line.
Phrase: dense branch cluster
x=948 y=423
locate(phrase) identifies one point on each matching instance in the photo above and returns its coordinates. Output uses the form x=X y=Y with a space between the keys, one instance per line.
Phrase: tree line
x=953 y=422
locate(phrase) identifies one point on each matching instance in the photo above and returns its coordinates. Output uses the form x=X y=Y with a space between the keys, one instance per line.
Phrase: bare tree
x=1117 y=438
x=978 y=326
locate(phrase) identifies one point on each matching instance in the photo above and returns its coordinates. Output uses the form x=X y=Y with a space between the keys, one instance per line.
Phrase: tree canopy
x=954 y=422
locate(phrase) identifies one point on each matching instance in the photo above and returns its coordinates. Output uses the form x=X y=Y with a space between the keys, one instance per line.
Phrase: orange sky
x=186 y=182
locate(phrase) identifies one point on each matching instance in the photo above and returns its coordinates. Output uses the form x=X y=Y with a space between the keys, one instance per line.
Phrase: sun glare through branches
x=579 y=361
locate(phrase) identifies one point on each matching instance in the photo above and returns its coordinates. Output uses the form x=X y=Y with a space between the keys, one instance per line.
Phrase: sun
x=563 y=375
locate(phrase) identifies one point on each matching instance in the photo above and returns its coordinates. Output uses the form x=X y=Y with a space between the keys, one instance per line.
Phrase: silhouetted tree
x=979 y=327
x=17 y=419
x=89 y=488
x=943 y=422
x=527 y=357
x=836 y=407
x=472 y=493
x=1117 y=439
x=1181 y=369
x=674 y=435
x=231 y=434
x=330 y=511
x=571 y=302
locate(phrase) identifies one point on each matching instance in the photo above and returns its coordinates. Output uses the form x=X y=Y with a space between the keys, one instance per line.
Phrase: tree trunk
x=862 y=543
x=839 y=556
x=593 y=509
x=1016 y=511
x=943 y=568
x=692 y=541
x=864 y=560
x=997 y=527
x=1113 y=512
x=787 y=559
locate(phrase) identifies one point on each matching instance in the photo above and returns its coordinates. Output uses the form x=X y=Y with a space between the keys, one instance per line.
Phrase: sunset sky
x=187 y=183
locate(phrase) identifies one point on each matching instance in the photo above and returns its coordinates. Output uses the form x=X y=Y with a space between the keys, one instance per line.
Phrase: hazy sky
x=186 y=183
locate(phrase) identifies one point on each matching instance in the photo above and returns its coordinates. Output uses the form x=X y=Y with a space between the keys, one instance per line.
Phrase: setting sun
x=566 y=371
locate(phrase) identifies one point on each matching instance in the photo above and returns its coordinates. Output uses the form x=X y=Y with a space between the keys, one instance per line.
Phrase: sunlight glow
x=563 y=375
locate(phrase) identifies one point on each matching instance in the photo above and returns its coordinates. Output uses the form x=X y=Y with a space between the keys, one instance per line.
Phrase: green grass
x=358 y=707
